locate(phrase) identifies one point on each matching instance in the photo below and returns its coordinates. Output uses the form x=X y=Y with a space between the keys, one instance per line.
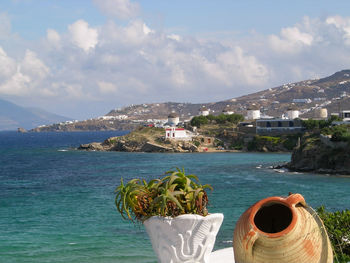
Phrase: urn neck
x=275 y=216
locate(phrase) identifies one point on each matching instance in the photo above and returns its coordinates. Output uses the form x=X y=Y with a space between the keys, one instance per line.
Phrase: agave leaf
x=172 y=187
x=192 y=176
x=171 y=197
x=207 y=186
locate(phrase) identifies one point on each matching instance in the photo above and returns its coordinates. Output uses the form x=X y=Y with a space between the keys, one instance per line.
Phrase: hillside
x=13 y=116
x=331 y=92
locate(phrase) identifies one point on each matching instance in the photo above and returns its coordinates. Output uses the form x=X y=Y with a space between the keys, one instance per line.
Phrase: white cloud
x=34 y=67
x=291 y=40
x=174 y=37
x=136 y=32
x=243 y=68
x=107 y=87
x=123 y=9
x=135 y=63
x=54 y=38
x=342 y=24
x=18 y=84
x=7 y=65
x=83 y=36
x=74 y=91
x=22 y=78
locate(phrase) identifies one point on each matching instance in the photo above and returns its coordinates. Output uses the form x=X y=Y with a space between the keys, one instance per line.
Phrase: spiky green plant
x=174 y=194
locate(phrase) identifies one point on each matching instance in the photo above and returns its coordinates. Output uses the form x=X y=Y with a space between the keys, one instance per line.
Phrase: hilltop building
x=203 y=111
x=253 y=113
x=292 y=113
x=173 y=119
x=321 y=113
x=228 y=110
x=175 y=133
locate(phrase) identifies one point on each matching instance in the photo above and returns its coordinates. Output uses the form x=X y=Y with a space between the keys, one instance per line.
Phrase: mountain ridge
x=13 y=116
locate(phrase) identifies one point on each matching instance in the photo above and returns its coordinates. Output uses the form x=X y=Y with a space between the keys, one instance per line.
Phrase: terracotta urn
x=183 y=239
x=281 y=230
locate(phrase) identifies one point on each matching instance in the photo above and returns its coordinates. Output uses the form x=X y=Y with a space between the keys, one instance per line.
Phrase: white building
x=253 y=113
x=322 y=113
x=345 y=115
x=173 y=119
x=228 y=110
x=176 y=133
x=292 y=113
x=203 y=111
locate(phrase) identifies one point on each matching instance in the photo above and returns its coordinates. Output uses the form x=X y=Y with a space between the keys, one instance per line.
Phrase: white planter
x=183 y=239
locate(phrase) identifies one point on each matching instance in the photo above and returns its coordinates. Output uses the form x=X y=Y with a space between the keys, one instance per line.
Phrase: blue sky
x=83 y=58
x=31 y=18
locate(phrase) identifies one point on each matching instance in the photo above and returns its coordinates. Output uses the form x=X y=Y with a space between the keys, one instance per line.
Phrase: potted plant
x=174 y=211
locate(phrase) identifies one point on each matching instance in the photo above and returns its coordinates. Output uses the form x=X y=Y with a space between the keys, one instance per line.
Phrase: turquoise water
x=57 y=204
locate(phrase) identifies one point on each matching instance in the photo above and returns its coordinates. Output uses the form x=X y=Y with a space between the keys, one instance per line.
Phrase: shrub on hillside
x=220 y=119
x=338 y=227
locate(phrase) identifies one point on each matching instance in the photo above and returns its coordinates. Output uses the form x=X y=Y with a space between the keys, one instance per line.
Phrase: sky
x=83 y=58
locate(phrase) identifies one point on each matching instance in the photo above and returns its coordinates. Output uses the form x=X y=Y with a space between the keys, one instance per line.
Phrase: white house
x=228 y=110
x=292 y=113
x=203 y=111
x=176 y=133
x=253 y=113
x=173 y=119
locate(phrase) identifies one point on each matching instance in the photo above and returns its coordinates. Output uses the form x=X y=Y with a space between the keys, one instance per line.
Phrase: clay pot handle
x=248 y=242
x=295 y=199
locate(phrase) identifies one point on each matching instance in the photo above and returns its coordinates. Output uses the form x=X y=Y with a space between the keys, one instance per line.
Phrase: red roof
x=177 y=129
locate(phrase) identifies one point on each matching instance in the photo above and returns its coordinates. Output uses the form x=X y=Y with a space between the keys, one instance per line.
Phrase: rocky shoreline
x=143 y=139
x=314 y=153
x=317 y=153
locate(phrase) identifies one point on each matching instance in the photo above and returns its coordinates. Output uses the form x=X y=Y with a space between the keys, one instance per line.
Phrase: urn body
x=281 y=230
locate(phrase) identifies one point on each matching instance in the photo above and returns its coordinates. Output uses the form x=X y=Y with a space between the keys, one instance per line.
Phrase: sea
x=57 y=203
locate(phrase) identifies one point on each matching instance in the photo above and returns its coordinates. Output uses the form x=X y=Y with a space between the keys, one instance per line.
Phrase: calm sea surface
x=57 y=203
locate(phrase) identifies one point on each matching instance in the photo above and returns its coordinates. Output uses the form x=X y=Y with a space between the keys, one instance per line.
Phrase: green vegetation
x=338 y=228
x=199 y=120
x=219 y=119
x=173 y=195
x=339 y=133
x=218 y=142
x=197 y=143
x=311 y=124
x=273 y=143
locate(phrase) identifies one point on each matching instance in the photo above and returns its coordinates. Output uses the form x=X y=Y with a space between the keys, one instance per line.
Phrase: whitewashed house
x=228 y=110
x=203 y=111
x=176 y=133
x=292 y=113
x=253 y=113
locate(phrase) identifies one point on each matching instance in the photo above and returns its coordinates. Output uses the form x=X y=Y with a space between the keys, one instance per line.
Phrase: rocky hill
x=321 y=154
x=332 y=93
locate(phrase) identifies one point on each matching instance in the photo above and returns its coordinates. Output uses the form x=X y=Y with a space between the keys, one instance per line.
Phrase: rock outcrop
x=317 y=154
x=141 y=140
